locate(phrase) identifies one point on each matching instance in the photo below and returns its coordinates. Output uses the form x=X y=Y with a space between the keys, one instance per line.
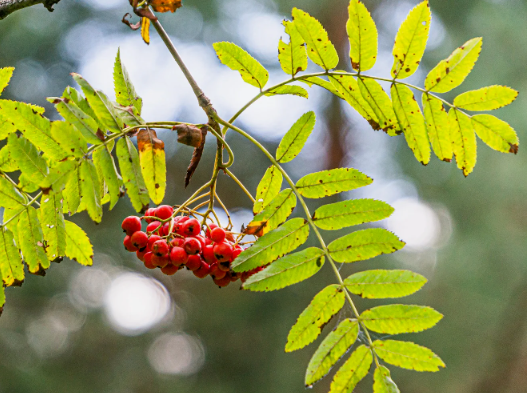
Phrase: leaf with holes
x=78 y=246
x=463 y=140
x=407 y=355
x=334 y=346
x=295 y=139
x=53 y=229
x=273 y=215
x=286 y=271
x=349 y=213
x=153 y=164
x=268 y=188
x=384 y=284
x=382 y=381
x=125 y=94
x=292 y=56
x=309 y=325
x=331 y=182
x=381 y=105
x=364 y=244
x=400 y=318
x=496 y=133
x=10 y=262
x=438 y=127
x=273 y=245
x=363 y=36
x=352 y=371
x=32 y=241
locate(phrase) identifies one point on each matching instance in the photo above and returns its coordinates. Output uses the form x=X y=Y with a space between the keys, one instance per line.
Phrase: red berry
x=147 y=259
x=139 y=239
x=222 y=282
x=208 y=254
x=128 y=244
x=153 y=226
x=191 y=227
x=150 y=213
x=166 y=228
x=235 y=276
x=202 y=241
x=192 y=246
x=193 y=262
x=141 y=254
x=170 y=269
x=217 y=235
x=178 y=256
x=160 y=261
x=223 y=252
x=160 y=248
x=216 y=272
x=131 y=224
x=203 y=271
x=179 y=225
x=177 y=242
x=237 y=251
x=164 y=212
x=151 y=240
x=210 y=229
x=225 y=266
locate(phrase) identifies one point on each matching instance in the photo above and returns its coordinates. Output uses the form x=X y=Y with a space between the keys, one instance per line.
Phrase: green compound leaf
x=72 y=191
x=75 y=96
x=273 y=215
x=7 y=164
x=353 y=371
x=410 y=42
x=348 y=88
x=31 y=163
x=334 y=346
x=57 y=177
x=382 y=381
x=90 y=190
x=400 y=318
x=411 y=121
x=10 y=262
x=486 y=98
x=53 y=227
x=6 y=128
x=381 y=105
x=309 y=325
x=273 y=245
x=131 y=171
x=438 y=127
x=268 y=188
x=25 y=184
x=363 y=36
x=292 y=56
x=295 y=139
x=463 y=140
x=450 y=73
x=319 y=48
x=237 y=59
x=34 y=126
x=288 y=89
x=69 y=138
x=407 y=355
x=349 y=213
x=125 y=94
x=32 y=241
x=286 y=271
x=101 y=105
x=384 y=284
x=9 y=196
x=82 y=122
x=496 y=133
x=331 y=182
x=364 y=244
x=104 y=161
x=153 y=164
x=5 y=76
x=78 y=246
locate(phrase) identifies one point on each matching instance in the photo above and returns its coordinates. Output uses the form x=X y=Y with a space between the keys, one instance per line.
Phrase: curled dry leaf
x=165 y=5
x=196 y=156
x=188 y=135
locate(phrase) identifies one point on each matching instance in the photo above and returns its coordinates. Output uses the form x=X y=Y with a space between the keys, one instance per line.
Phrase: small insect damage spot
x=513 y=148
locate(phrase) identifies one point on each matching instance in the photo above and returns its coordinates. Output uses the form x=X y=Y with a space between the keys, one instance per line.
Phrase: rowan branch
x=9 y=6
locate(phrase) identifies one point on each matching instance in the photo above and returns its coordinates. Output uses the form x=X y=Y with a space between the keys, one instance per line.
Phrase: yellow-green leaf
x=334 y=346
x=451 y=72
x=125 y=93
x=411 y=121
x=353 y=371
x=463 y=140
x=382 y=381
x=10 y=262
x=400 y=318
x=72 y=192
x=52 y=221
x=32 y=241
x=153 y=164
x=273 y=214
x=286 y=271
x=486 y=98
x=295 y=139
x=363 y=36
x=407 y=355
x=237 y=59
x=90 y=190
x=78 y=246
x=6 y=128
x=364 y=244
x=288 y=89
x=273 y=245
x=319 y=48
x=438 y=127
x=26 y=155
x=9 y=196
x=410 y=42
x=103 y=160
x=381 y=105
x=5 y=76
x=268 y=188
x=330 y=182
x=292 y=56
x=69 y=138
x=57 y=177
x=307 y=328
x=7 y=164
x=496 y=133
x=384 y=284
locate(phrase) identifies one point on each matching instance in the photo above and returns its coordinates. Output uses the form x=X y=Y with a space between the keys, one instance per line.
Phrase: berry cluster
x=171 y=243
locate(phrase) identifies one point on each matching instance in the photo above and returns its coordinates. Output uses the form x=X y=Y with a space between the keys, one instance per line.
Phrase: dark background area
x=111 y=328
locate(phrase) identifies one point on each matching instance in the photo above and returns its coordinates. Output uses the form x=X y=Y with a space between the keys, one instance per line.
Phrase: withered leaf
x=196 y=156
x=165 y=5
x=188 y=135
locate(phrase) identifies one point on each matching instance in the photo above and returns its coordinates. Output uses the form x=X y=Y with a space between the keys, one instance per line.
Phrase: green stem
x=240 y=184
